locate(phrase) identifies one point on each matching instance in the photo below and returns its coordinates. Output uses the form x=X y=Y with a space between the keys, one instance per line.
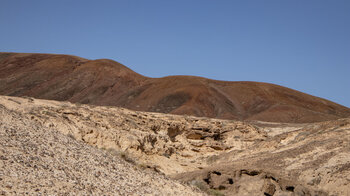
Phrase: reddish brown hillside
x=106 y=82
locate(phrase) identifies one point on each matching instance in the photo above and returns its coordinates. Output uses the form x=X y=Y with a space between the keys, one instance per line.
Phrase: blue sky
x=300 y=44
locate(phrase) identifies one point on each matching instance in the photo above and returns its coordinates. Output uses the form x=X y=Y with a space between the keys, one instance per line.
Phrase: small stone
x=269 y=188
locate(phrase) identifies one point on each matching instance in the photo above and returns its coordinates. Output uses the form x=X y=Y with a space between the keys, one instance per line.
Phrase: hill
x=106 y=82
x=51 y=147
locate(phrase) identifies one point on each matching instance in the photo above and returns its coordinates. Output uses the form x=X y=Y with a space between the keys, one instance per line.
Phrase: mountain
x=109 y=83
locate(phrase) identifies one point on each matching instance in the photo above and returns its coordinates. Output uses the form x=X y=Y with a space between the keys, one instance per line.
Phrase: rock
x=308 y=158
x=269 y=189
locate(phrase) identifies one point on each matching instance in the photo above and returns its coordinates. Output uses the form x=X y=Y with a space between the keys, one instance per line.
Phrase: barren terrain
x=40 y=160
x=106 y=82
x=53 y=147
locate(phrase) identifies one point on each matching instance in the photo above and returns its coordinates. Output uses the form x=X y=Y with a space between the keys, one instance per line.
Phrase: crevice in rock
x=207 y=180
x=230 y=181
x=217 y=137
x=250 y=173
x=221 y=187
x=290 y=188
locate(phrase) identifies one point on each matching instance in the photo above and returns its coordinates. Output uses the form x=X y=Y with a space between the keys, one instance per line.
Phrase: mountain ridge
x=107 y=82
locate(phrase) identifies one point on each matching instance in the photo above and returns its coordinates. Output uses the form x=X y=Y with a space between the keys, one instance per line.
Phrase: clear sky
x=300 y=44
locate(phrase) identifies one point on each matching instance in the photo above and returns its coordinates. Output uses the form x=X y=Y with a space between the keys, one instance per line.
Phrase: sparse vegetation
x=212 y=159
x=123 y=154
x=70 y=135
x=215 y=192
x=203 y=187
x=199 y=184
x=142 y=166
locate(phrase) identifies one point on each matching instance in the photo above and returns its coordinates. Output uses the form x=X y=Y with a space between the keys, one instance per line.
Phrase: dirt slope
x=106 y=82
x=221 y=157
x=39 y=160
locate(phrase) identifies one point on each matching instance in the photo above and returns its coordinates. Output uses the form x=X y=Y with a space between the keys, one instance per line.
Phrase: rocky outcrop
x=312 y=159
x=39 y=160
x=220 y=157
x=172 y=143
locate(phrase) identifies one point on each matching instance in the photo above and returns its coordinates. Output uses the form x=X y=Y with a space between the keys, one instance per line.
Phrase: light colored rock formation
x=313 y=159
x=169 y=143
x=218 y=156
x=38 y=160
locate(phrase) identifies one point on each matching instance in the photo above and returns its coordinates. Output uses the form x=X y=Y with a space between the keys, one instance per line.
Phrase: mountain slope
x=106 y=82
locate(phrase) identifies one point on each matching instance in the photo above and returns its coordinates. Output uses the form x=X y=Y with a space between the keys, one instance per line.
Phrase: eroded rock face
x=37 y=160
x=218 y=156
x=248 y=182
x=172 y=143
x=311 y=160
